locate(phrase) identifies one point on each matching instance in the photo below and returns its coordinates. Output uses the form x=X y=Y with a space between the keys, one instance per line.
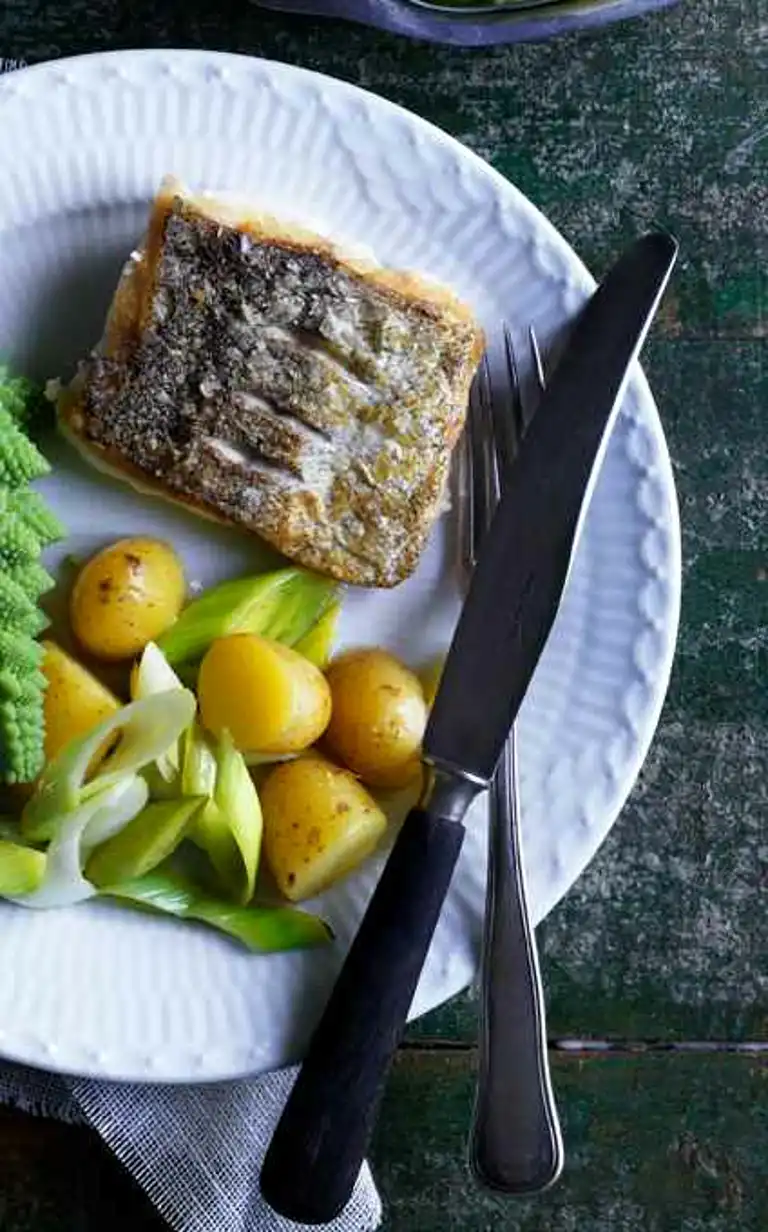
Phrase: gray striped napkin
x=197 y=1150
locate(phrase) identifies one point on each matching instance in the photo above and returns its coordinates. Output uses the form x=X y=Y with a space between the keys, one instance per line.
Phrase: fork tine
x=482 y=496
x=481 y=453
x=507 y=421
x=496 y=421
x=538 y=366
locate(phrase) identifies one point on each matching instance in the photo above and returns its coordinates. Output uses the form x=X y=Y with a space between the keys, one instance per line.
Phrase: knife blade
x=519 y=579
x=315 y=1155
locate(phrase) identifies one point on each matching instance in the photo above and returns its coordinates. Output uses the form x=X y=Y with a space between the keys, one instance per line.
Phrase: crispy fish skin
x=253 y=373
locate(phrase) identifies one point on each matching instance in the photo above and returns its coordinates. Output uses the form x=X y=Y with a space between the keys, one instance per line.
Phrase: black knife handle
x=320 y=1142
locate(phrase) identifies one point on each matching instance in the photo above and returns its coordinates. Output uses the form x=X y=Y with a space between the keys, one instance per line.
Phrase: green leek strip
x=229 y=828
x=198 y=766
x=22 y=869
x=76 y=834
x=10 y=828
x=154 y=674
x=264 y=930
x=146 y=729
x=283 y=605
x=160 y=788
x=143 y=844
x=317 y=644
x=238 y=803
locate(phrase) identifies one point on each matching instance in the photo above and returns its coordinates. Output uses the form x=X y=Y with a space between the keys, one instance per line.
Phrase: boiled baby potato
x=269 y=698
x=319 y=824
x=75 y=701
x=125 y=596
x=378 y=717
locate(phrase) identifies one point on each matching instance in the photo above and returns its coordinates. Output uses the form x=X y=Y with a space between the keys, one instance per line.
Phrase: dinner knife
x=318 y=1146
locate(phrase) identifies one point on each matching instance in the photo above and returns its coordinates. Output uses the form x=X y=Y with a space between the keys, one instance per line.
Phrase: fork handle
x=515 y=1144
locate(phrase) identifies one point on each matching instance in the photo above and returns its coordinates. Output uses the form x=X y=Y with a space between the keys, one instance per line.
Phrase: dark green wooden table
x=656 y=964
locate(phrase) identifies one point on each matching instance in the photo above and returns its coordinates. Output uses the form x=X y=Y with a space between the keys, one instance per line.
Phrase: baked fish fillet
x=252 y=372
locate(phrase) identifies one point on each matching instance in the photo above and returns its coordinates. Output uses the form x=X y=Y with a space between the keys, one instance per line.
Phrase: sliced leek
x=229 y=827
x=77 y=831
x=22 y=869
x=263 y=930
x=147 y=840
x=146 y=729
x=317 y=645
x=283 y=605
x=154 y=674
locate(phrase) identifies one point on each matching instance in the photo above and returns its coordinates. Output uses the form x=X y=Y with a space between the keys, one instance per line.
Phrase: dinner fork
x=515 y=1142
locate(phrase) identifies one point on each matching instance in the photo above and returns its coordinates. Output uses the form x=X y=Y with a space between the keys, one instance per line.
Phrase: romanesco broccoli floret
x=18 y=613
x=11 y=688
x=30 y=575
x=26 y=527
x=19 y=546
x=21 y=656
x=30 y=508
x=20 y=460
x=22 y=399
x=22 y=734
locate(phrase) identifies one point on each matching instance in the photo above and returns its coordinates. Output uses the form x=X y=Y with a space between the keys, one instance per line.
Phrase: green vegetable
x=26 y=527
x=75 y=834
x=143 y=843
x=20 y=460
x=18 y=611
x=146 y=728
x=236 y=799
x=282 y=605
x=21 y=657
x=317 y=644
x=21 y=869
x=264 y=930
x=19 y=546
x=24 y=401
x=30 y=509
x=159 y=788
x=9 y=828
x=198 y=770
x=22 y=724
x=229 y=828
x=154 y=674
x=30 y=576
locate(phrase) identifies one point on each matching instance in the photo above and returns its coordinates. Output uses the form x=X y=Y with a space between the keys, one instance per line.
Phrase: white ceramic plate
x=83 y=144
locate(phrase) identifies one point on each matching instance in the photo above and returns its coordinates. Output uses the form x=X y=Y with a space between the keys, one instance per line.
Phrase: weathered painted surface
x=660 y=121
x=656 y=1144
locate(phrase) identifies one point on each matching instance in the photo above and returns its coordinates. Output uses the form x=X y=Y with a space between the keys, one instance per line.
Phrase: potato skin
x=319 y=824
x=125 y=596
x=75 y=701
x=269 y=698
x=378 y=717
